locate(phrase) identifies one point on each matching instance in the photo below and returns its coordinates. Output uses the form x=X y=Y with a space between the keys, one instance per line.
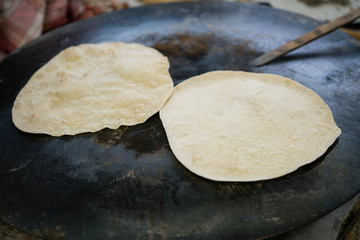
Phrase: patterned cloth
x=24 y=20
x=20 y=22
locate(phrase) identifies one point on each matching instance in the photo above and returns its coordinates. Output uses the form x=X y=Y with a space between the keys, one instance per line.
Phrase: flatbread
x=89 y=87
x=238 y=126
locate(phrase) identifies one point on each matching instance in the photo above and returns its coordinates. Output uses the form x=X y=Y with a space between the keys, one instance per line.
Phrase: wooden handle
x=308 y=37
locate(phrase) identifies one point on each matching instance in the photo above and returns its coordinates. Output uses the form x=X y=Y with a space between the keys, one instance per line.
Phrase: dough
x=238 y=126
x=89 y=87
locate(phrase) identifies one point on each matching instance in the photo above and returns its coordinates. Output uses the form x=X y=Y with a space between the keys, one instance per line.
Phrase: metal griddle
x=127 y=184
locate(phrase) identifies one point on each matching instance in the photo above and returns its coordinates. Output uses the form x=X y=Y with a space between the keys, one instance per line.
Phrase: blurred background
x=24 y=20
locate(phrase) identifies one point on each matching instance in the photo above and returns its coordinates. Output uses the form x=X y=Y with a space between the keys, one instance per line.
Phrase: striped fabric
x=21 y=21
x=24 y=20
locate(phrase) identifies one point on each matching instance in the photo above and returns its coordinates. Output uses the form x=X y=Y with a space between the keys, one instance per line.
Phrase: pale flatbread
x=94 y=86
x=238 y=126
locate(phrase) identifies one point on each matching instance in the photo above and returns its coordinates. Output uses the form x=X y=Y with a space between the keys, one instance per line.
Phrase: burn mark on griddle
x=147 y=137
x=55 y=232
x=142 y=138
x=339 y=77
x=191 y=55
x=141 y=188
x=110 y=136
x=183 y=45
x=315 y=3
x=334 y=78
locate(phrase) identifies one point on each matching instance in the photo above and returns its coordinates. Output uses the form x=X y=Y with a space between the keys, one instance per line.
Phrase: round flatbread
x=93 y=86
x=238 y=126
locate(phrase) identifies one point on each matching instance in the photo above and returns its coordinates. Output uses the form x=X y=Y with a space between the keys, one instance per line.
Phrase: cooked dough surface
x=238 y=126
x=93 y=86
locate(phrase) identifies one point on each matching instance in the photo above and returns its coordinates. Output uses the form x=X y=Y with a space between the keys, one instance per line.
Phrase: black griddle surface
x=127 y=184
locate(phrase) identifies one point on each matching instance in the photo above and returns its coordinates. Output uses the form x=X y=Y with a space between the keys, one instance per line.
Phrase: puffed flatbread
x=89 y=87
x=238 y=126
